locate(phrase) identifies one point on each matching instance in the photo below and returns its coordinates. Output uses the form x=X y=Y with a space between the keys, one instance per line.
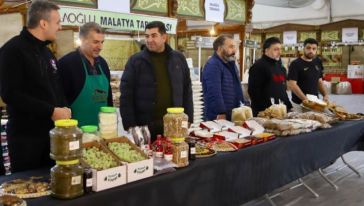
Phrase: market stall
x=229 y=178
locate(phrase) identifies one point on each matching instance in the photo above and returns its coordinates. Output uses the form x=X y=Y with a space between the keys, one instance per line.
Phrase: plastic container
x=67 y=179
x=90 y=133
x=65 y=140
x=108 y=122
x=180 y=153
x=175 y=124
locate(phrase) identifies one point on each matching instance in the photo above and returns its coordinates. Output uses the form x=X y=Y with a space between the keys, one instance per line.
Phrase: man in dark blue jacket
x=153 y=80
x=220 y=81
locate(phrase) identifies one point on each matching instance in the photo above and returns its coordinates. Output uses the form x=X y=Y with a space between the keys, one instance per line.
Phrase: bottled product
x=180 y=153
x=90 y=133
x=67 y=179
x=175 y=124
x=108 y=122
x=65 y=140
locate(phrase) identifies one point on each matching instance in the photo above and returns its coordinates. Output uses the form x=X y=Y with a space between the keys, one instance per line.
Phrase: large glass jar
x=66 y=140
x=180 y=153
x=175 y=124
x=108 y=122
x=67 y=179
x=90 y=133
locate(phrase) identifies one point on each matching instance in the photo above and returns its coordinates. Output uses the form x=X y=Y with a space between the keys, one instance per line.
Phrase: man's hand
x=221 y=116
x=61 y=113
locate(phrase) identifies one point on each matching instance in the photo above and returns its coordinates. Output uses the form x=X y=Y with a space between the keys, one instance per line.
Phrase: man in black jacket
x=154 y=79
x=30 y=87
x=267 y=78
x=86 y=76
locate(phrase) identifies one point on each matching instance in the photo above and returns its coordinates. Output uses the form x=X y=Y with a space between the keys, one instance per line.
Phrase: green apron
x=93 y=95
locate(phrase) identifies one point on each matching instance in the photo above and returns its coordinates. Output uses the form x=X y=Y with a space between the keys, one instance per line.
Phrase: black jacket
x=29 y=85
x=267 y=79
x=73 y=75
x=138 y=87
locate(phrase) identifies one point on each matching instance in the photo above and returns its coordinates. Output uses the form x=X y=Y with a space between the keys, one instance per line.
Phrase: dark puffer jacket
x=138 y=87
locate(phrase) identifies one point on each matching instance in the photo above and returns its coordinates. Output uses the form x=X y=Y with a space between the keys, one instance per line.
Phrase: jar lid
x=70 y=162
x=177 y=140
x=89 y=128
x=108 y=109
x=175 y=110
x=66 y=123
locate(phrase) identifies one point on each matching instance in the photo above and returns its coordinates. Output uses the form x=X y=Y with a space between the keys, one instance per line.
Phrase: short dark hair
x=270 y=41
x=220 y=40
x=310 y=41
x=88 y=27
x=157 y=24
x=39 y=9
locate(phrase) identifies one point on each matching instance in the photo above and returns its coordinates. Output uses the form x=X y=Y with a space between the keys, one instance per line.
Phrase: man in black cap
x=267 y=78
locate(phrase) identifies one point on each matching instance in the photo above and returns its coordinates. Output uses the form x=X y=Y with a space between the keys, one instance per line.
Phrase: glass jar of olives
x=175 y=124
x=67 y=179
x=65 y=140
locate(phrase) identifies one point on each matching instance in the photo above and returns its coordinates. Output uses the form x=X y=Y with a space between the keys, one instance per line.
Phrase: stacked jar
x=176 y=129
x=108 y=122
x=66 y=149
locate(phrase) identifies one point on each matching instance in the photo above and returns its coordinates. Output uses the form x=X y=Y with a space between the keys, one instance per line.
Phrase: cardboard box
x=109 y=178
x=135 y=170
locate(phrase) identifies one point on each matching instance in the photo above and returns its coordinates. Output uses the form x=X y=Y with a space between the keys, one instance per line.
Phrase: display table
x=228 y=178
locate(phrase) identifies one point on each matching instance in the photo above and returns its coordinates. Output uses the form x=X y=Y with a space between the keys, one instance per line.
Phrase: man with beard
x=305 y=74
x=267 y=78
x=220 y=81
x=86 y=76
x=154 y=79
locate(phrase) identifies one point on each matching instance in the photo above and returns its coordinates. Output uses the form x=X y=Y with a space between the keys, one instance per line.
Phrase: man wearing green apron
x=86 y=76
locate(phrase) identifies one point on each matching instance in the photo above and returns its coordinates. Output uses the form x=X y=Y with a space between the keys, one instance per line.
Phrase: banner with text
x=71 y=16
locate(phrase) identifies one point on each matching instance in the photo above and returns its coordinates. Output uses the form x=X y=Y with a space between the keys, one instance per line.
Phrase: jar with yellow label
x=65 y=140
x=175 y=124
x=67 y=179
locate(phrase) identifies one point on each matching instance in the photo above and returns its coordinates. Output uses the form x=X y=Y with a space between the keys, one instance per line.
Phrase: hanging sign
x=71 y=16
x=290 y=37
x=215 y=10
x=350 y=35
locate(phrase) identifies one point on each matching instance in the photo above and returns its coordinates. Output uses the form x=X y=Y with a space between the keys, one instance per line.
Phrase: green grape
x=125 y=151
x=98 y=159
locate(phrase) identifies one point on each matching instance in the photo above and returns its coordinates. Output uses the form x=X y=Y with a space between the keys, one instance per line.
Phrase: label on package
x=193 y=150
x=184 y=124
x=158 y=154
x=89 y=182
x=76 y=180
x=168 y=157
x=73 y=145
x=184 y=154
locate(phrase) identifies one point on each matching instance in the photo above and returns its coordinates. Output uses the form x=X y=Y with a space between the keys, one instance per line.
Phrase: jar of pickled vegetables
x=67 y=179
x=180 y=153
x=65 y=140
x=175 y=124
x=108 y=122
x=90 y=133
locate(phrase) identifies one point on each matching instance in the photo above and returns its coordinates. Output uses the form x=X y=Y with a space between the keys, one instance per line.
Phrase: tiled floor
x=350 y=192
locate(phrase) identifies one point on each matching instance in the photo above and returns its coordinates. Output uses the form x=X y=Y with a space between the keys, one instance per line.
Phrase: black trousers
x=29 y=152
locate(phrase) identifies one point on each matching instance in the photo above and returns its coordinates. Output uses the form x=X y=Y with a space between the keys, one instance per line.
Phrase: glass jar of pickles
x=67 y=179
x=65 y=140
x=175 y=124
x=180 y=153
